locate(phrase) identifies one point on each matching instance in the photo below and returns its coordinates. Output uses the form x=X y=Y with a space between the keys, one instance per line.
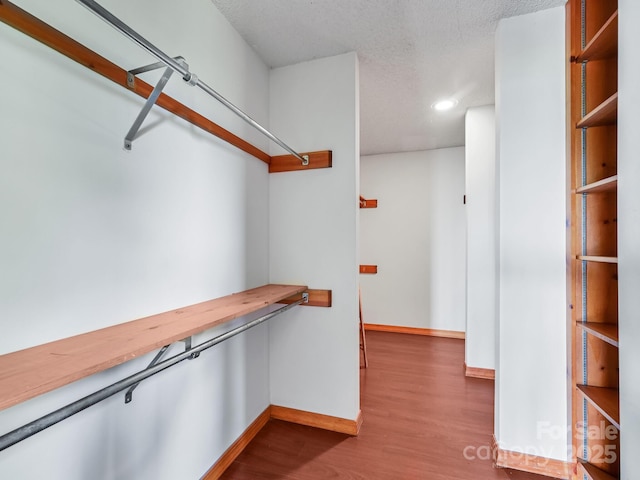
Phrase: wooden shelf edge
x=606 y=185
x=31 y=372
x=604 y=114
x=597 y=259
x=369 y=269
x=605 y=400
x=368 y=203
x=44 y=33
x=606 y=332
x=604 y=43
x=317 y=298
x=593 y=472
x=289 y=163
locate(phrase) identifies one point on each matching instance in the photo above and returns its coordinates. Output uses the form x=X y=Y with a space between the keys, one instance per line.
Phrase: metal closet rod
x=187 y=76
x=42 y=423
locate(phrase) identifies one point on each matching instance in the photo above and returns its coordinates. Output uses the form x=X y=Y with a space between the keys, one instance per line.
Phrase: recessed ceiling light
x=443 y=105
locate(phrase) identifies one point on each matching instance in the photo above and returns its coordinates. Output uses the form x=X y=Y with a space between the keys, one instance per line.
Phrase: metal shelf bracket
x=187 y=347
x=128 y=396
x=131 y=82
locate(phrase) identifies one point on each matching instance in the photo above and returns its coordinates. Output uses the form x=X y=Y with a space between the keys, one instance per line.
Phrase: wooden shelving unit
x=593 y=50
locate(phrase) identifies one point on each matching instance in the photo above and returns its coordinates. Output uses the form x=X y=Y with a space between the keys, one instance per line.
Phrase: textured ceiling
x=412 y=53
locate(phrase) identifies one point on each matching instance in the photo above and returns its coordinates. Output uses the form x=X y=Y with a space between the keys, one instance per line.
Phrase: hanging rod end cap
x=191 y=79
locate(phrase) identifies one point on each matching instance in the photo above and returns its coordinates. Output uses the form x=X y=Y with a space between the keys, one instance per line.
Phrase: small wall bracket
x=368 y=203
x=310 y=161
x=187 y=347
x=128 y=396
x=131 y=82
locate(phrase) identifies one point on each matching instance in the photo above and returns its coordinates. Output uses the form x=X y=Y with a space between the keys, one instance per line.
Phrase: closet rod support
x=128 y=396
x=188 y=77
x=131 y=74
x=187 y=348
x=153 y=98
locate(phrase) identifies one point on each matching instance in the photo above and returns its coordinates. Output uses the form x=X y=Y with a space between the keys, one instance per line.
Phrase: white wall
x=416 y=236
x=628 y=234
x=481 y=209
x=531 y=374
x=93 y=236
x=314 y=352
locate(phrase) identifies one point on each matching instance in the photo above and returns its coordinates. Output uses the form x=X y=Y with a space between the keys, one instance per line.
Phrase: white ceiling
x=411 y=52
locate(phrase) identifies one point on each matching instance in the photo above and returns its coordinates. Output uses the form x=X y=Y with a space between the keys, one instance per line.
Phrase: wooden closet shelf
x=33 y=371
x=604 y=114
x=368 y=203
x=607 y=332
x=604 y=43
x=605 y=400
x=597 y=259
x=606 y=185
x=594 y=473
x=370 y=269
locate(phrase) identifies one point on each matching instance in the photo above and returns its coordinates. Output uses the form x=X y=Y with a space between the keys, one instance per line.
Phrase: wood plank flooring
x=420 y=414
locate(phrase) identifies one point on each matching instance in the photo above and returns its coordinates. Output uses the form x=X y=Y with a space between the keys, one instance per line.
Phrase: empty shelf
x=607 y=332
x=605 y=400
x=604 y=114
x=33 y=371
x=606 y=185
x=594 y=473
x=598 y=259
x=604 y=43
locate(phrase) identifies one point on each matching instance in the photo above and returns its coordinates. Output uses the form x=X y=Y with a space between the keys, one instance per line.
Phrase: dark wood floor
x=420 y=414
